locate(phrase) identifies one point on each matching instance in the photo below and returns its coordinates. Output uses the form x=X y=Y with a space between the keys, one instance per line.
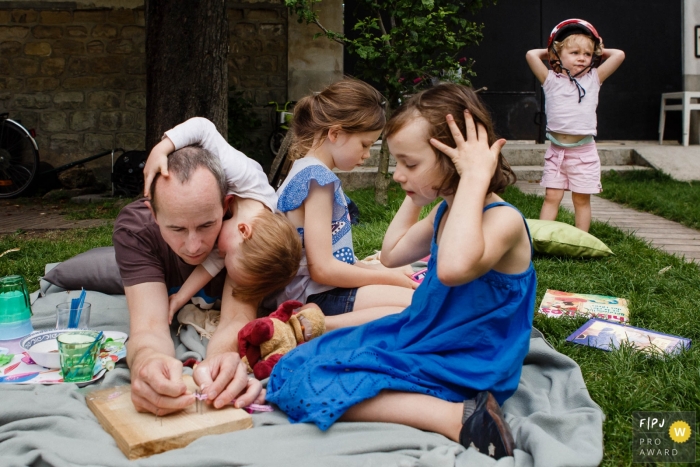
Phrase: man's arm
x=222 y=374
x=156 y=375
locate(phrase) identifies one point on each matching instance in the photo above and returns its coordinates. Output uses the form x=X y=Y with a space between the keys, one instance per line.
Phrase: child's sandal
x=484 y=428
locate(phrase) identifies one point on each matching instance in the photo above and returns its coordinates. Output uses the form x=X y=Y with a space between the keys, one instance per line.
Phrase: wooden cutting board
x=142 y=434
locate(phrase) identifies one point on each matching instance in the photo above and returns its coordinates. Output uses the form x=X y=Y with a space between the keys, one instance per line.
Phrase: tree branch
x=331 y=35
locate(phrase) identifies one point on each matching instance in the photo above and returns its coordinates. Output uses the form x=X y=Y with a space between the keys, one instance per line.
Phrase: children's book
x=606 y=335
x=556 y=304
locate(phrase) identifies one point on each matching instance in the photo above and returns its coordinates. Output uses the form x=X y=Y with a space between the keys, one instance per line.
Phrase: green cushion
x=560 y=239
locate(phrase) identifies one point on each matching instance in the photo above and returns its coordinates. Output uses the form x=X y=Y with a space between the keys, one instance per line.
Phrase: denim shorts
x=335 y=301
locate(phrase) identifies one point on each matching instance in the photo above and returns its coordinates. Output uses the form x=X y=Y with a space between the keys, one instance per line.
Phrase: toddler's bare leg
x=550 y=207
x=358 y=317
x=582 y=210
x=411 y=409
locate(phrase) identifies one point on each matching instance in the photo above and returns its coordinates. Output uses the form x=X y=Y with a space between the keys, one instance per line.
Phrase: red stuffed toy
x=263 y=341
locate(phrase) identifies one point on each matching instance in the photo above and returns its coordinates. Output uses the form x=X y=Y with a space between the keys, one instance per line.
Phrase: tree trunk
x=186 y=64
x=381 y=183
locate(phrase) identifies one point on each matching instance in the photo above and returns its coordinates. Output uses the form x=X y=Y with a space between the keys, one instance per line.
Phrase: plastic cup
x=63 y=316
x=15 y=311
x=77 y=352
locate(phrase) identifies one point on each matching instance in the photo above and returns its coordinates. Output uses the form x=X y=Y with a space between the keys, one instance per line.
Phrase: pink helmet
x=572 y=26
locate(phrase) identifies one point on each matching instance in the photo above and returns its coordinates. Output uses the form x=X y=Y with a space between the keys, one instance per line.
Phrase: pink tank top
x=564 y=112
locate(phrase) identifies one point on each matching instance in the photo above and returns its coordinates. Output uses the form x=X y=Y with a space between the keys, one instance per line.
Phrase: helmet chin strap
x=579 y=88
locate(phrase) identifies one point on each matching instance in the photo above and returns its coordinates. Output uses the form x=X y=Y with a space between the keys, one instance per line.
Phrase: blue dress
x=450 y=343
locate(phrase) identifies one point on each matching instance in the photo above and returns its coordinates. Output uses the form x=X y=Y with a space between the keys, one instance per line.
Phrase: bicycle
x=283 y=120
x=19 y=157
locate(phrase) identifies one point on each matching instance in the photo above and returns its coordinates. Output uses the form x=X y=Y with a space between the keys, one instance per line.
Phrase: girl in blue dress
x=446 y=362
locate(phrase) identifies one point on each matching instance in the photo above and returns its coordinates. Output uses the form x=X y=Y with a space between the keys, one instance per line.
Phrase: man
x=157 y=246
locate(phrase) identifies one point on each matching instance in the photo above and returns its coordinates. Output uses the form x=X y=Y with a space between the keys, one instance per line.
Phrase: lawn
x=620 y=382
x=655 y=192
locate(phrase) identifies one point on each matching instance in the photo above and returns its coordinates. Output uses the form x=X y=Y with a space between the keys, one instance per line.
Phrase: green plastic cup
x=78 y=352
x=15 y=311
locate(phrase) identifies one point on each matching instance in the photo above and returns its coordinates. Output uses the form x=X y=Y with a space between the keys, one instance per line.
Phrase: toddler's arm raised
x=612 y=59
x=534 y=58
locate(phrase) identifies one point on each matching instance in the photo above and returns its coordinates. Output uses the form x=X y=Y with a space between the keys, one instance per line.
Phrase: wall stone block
x=69 y=99
x=13 y=32
x=96 y=142
x=140 y=17
x=53 y=121
x=104 y=100
x=24 y=16
x=239 y=62
x=40 y=84
x=78 y=66
x=135 y=33
x=234 y=14
x=32 y=101
x=27 y=119
x=266 y=63
x=244 y=30
x=272 y=30
x=262 y=15
x=110 y=121
x=10 y=48
x=105 y=65
x=140 y=121
x=4 y=67
x=121 y=16
x=277 y=81
x=135 y=100
x=47 y=32
x=105 y=30
x=245 y=46
x=83 y=120
x=131 y=141
x=81 y=82
x=64 y=143
x=136 y=65
x=120 y=46
x=89 y=16
x=77 y=31
x=275 y=45
x=5 y=16
x=95 y=47
x=25 y=66
x=127 y=83
x=56 y=17
x=11 y=84
x=53 y=66
x=42 y=49
x=68 y=47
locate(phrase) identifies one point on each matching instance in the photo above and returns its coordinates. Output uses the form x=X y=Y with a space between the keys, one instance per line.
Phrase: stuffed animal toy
x=262 y=342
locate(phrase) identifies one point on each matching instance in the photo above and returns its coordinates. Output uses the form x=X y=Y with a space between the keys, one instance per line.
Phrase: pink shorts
x=576 y=169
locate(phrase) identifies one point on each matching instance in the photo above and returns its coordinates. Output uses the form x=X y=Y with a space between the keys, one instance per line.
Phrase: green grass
x=621 y=382
x=655 y=192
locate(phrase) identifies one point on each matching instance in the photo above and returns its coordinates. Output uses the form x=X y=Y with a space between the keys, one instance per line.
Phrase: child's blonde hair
x=354 y=105
x=433 y=105
x=558 y=46
x=268 y=259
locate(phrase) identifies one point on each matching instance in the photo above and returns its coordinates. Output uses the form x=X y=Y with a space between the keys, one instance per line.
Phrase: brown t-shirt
x=144 y=256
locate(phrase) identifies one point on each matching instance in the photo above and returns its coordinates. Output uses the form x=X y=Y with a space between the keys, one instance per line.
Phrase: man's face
x=190 y=215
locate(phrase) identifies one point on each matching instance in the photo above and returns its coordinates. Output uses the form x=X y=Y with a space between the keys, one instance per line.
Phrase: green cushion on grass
x=560 y=239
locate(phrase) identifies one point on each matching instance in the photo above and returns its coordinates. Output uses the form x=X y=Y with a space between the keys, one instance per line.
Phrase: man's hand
x=224 y=378
x=157 y=385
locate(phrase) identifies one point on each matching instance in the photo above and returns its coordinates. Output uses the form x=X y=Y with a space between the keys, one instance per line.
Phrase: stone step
x=363 y=177
x=518 y=154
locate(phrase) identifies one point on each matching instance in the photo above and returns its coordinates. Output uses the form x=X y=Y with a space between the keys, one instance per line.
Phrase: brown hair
x=184 y=162
x=268 y=259
x=354 y=105
x=559 y=46
x=433 y=105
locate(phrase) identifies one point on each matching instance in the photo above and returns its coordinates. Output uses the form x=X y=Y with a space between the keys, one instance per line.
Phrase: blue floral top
x=292 y=195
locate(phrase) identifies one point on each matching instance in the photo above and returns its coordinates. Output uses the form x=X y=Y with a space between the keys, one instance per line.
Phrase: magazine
x=606 y=335
x=556 y=304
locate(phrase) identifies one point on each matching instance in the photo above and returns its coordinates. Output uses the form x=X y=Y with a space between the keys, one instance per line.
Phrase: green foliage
x=655 y=192
x=405 y=44
x=242 y=124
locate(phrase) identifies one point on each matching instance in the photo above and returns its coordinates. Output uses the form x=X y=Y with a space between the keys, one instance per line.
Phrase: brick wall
x=78 y=76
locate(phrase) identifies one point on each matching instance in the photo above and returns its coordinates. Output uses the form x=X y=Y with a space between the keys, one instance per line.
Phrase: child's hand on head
x=472 y=156
x=157 y=163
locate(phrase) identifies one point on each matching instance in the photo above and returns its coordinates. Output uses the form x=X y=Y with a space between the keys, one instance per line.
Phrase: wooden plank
x=141 y=434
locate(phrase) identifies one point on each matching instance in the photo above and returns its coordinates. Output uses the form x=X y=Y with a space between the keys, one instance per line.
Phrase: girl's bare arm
x=534 y=58
x=407 y=239
x=323 y=266
x=612 y=59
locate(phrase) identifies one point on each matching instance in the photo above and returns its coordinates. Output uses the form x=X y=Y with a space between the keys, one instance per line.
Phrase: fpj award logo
x=664 y=437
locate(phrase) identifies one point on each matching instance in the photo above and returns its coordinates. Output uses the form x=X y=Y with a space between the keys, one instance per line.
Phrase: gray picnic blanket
x=554 y=420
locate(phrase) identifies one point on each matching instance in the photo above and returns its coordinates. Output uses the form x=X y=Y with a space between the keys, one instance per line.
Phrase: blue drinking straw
x=87 y=352
x=76 y=309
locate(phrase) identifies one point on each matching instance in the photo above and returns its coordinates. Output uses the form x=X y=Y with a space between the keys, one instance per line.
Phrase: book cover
x=606 y=335
x=556 y=303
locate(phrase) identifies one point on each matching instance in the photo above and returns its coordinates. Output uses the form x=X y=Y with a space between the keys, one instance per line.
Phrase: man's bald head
x=183 y=163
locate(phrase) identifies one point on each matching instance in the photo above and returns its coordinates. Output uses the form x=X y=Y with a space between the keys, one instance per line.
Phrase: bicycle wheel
x=19 y=159
x=276 y=141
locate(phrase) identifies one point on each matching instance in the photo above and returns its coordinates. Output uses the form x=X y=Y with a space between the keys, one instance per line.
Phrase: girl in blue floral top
x=335 y=129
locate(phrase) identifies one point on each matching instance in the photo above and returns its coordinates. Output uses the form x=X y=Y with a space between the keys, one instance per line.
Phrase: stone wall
x=77 y=75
